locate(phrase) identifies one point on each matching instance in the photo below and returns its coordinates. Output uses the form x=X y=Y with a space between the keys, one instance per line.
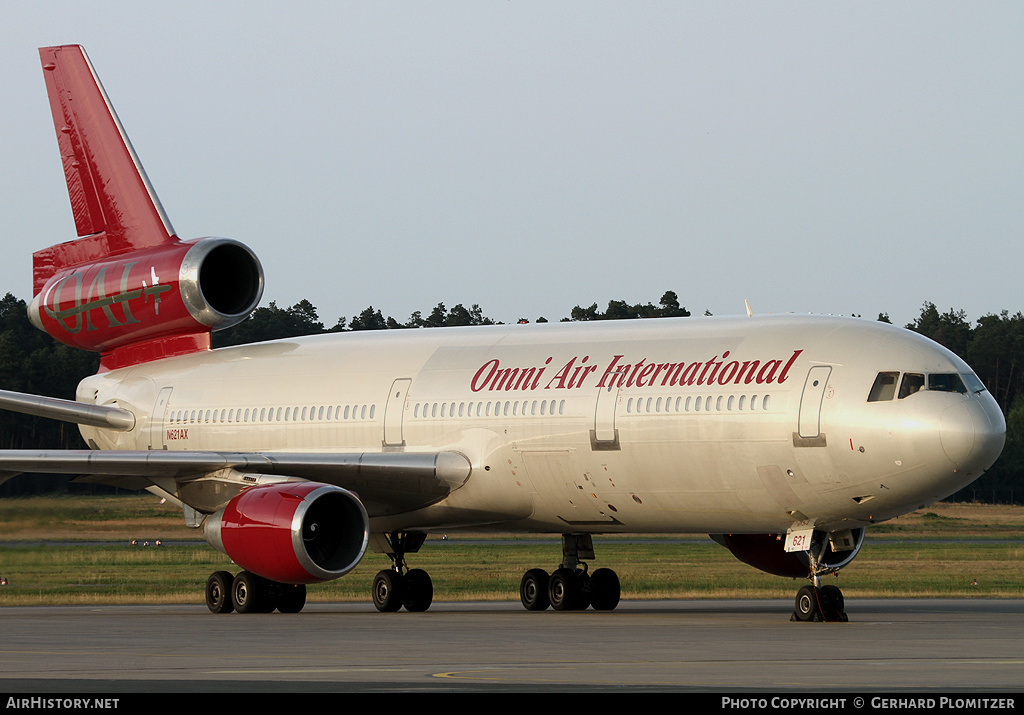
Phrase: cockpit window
x=912 y=382
x=973 y=383
x=950 y=382
x=884 y=387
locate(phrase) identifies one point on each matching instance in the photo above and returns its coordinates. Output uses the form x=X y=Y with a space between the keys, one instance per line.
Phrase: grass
x=63 y=550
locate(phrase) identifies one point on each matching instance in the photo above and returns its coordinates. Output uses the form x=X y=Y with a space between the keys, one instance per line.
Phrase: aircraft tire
x=247 y=593
x=533 y=590
x=291 y=598
x=218 y=592
x=604 y=590
x=832 y=603
x=564 y=590
x=387 y=591
x=806 y=607
x=418 y=591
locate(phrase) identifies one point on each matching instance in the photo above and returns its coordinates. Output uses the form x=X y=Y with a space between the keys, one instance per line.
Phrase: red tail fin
x=113 y=203
x=127 y=288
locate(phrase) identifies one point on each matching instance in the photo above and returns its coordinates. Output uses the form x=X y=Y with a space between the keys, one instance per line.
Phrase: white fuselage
x=698 y=425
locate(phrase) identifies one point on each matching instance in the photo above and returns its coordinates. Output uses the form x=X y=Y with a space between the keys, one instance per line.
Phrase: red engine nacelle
x=152 y=302
x=292 y=532
x=767 y=553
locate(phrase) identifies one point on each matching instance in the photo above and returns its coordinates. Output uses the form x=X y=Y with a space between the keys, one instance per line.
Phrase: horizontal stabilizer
x=55 y=408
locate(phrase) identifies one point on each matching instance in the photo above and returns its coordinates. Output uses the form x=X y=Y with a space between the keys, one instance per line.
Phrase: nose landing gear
x=816 y=602
x=819 y=603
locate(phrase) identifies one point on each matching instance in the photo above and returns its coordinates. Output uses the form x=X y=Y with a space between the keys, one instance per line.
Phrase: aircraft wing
x=386 y=482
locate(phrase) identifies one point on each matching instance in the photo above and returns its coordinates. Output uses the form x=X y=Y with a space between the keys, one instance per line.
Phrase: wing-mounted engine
x=292 y=532
x=150 y=303
x=767 y=552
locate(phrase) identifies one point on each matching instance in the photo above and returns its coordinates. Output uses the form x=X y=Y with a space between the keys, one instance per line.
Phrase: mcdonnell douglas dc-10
x=781 y=437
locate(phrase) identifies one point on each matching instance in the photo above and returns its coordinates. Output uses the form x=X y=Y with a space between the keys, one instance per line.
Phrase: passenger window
x=884 y=388
x=912 y=382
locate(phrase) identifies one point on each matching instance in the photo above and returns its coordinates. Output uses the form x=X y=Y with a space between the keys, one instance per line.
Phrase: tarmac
x=709 y=646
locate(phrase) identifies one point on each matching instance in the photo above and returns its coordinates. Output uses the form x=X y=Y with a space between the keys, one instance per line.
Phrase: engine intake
x=221 y=282
x=292 y=532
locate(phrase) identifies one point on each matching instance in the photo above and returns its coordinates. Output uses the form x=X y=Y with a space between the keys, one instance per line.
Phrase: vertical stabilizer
x=114 y=206
x=127 y=287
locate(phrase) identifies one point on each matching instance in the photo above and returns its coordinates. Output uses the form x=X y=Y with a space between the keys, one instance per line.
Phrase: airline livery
x=782 y=437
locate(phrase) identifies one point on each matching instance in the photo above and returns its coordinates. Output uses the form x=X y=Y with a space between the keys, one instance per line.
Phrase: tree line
x=273 y=322
x=32 y=362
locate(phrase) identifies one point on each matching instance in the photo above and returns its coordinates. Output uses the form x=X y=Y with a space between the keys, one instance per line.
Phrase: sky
x=808 y=157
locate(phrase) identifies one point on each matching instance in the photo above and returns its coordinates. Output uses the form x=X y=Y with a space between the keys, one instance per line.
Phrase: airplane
x=782 y=437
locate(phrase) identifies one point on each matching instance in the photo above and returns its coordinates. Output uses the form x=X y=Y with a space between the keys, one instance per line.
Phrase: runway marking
x=508 y=673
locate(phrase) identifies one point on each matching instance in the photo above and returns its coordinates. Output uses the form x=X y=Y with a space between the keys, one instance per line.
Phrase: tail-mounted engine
x=292 y=532
x=150 y=303
x=767 y=552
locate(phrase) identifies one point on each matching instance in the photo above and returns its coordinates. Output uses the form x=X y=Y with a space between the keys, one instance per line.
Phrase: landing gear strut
x=816 y=602
x=249 y=593
x=400 y=586
x=571 y=587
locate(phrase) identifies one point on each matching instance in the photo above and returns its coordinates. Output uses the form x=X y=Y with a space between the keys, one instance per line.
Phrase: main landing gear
x=249 y=593
x=571 y=587
x=816 y=602
x=400 y=586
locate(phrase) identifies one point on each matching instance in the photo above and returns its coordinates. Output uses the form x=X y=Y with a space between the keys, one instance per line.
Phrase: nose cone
x=972 y=433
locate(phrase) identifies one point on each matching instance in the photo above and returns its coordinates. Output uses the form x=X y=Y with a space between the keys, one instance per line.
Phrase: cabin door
x=158 y=422
x=394 y=413
x=605 y=435
x=810 y=401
